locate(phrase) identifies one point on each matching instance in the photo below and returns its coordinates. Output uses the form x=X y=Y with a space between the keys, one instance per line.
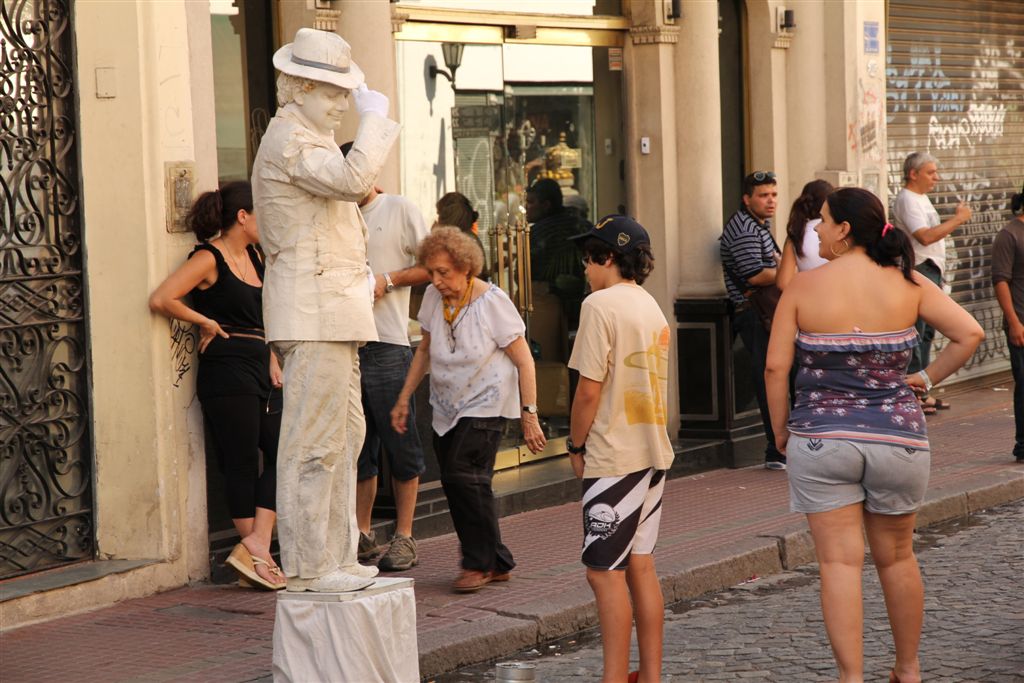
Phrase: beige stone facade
x=806 y=90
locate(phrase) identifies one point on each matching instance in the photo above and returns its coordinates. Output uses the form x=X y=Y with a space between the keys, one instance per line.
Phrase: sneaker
x=368 y=548
x=335 y=582
x=775 y=463
x=401 y=555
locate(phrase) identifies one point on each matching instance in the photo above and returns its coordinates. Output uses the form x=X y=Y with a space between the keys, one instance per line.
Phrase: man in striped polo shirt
x=749 y=260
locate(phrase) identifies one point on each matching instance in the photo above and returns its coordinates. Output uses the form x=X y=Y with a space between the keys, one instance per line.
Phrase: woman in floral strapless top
x=856 y=439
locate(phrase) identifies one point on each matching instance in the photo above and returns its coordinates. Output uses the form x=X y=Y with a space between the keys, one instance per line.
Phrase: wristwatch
x=530 y=408
x=573 y=448
x=390 y=287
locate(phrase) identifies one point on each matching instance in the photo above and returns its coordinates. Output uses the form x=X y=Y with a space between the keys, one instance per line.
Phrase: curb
x=505 y=632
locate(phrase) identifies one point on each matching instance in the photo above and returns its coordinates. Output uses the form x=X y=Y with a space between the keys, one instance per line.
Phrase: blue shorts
x=383 y=369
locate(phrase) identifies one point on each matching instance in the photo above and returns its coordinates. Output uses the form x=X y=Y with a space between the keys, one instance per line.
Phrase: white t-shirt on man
x=912 y=212
x=623 y=342
x=395 y=228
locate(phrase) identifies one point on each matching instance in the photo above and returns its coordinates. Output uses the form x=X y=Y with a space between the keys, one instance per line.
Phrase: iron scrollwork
x=45 y=456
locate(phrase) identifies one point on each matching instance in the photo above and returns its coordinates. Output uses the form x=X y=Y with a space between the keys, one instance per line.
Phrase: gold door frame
x=494 y=28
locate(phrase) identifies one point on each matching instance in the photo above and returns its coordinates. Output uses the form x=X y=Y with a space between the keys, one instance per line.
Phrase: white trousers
x=322 y=431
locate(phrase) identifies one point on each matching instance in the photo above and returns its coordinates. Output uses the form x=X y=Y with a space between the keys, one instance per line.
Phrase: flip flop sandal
x=941 y=405
x=245 y=564
x=273 y=570
x=928 y=410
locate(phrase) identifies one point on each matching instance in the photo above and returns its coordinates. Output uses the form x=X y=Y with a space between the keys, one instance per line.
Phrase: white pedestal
x=360 y=637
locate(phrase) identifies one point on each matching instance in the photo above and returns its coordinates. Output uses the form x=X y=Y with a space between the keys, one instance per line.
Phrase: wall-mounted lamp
x=786 y=19
x=452 y=59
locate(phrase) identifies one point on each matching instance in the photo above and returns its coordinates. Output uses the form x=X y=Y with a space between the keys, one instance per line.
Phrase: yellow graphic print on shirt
x=645 y=404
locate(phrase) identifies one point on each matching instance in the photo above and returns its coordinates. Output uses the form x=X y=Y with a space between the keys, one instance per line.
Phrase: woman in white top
x=481 y=375
x=801 y=250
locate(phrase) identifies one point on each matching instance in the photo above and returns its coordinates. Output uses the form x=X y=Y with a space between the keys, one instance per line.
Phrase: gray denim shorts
x=827 y=474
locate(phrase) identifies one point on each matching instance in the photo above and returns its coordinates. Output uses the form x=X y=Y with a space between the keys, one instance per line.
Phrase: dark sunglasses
x=761 y=176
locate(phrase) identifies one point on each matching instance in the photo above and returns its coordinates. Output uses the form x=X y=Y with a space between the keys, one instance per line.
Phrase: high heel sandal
x=243 y=562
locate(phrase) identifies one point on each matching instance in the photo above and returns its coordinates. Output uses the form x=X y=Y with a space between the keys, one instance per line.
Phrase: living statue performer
x=318 y=300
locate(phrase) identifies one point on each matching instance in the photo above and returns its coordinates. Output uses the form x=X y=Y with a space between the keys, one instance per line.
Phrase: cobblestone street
x=771 y=629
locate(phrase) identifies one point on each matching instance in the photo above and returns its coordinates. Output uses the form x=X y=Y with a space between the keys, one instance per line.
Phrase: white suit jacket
x=314 y=237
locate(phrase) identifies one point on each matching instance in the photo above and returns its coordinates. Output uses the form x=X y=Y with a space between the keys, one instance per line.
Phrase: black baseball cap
x=621 y=233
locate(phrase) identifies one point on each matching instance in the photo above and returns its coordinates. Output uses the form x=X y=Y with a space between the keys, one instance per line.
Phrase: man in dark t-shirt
x=750 y=259
x=1008 y=280
x=552 y=224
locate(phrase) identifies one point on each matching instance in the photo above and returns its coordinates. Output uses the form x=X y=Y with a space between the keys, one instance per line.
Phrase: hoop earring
x=832 y=248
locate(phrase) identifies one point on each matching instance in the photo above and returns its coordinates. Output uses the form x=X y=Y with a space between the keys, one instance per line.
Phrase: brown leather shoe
x=470 y=581
x=500 y=576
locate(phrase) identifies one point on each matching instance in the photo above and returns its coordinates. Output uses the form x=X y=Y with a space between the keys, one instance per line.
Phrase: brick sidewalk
x=717 y=528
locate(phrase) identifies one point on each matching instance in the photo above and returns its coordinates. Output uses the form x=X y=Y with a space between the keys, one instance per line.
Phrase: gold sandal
x=243 y=562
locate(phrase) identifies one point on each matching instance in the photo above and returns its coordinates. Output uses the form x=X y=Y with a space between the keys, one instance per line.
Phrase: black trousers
x=925 y=332
x=755 y=339
x=242 y=427
x=1017 y=367
x=466 y=455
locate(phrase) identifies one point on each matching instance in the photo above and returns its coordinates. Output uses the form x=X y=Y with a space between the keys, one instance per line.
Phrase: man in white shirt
x=913 y=212
x=395 y=228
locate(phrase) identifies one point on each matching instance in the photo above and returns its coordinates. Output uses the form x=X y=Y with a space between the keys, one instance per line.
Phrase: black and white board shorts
x=621 y=516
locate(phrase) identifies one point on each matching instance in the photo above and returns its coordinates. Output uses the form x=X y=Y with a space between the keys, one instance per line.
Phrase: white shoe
x=365 y=571
x=337 y=581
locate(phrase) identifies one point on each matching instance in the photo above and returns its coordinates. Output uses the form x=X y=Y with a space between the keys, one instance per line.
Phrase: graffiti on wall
x=183 y=348
x=963 y=103
x=863 y=131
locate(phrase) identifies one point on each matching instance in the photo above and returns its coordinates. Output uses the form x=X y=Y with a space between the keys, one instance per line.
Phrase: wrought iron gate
x=45 y=454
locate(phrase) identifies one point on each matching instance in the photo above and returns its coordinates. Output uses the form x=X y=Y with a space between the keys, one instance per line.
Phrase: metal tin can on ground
x=515 y=671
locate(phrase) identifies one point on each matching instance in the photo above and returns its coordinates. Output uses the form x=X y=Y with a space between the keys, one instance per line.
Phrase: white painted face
x=324 y=106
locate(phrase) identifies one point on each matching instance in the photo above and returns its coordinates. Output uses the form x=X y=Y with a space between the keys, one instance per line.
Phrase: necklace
x=235 y=260
x=451 y=315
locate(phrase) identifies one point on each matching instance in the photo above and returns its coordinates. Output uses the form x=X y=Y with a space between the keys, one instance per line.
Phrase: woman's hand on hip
x=916 y=383
x=533 y=434
x=399 y=416
x=207 y=331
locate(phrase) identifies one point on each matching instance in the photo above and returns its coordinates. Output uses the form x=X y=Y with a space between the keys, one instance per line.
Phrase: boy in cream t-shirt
x=618 y=440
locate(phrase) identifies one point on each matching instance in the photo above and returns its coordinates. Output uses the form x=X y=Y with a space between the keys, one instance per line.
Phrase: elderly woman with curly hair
x=481 y=376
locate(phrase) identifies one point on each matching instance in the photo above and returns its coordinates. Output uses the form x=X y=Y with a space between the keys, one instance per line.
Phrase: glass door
x=504 y=144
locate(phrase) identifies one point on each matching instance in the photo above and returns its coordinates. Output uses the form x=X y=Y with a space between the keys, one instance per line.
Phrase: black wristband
x=573 y=448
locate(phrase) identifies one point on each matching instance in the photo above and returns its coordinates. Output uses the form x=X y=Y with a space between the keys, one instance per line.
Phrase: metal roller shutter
x=955 y=88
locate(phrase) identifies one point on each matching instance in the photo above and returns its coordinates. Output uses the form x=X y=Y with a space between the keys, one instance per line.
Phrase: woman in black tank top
x=239 y=379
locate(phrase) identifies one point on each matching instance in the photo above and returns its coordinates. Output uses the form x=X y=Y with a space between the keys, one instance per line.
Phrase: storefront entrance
x=518 y=114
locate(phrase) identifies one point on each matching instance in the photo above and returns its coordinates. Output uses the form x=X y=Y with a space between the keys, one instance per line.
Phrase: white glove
x=371 y=281
x=370 y=101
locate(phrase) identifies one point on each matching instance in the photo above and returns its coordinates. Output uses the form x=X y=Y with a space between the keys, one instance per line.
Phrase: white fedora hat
x=320 y=56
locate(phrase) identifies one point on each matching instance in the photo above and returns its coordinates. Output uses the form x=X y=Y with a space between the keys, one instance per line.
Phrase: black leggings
x=241 y=427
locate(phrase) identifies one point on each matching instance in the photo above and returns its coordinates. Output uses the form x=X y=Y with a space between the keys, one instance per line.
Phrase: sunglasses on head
x=761 y=176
